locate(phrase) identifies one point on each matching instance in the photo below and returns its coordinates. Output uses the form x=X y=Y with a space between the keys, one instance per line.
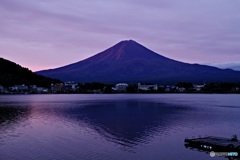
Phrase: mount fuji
x=131 y=62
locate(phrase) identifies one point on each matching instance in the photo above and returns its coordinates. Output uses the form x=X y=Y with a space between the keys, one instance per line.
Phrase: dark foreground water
x=113 y=127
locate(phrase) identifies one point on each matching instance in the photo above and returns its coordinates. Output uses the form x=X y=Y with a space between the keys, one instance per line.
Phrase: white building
x=147 y=87
x=70 y=85
x=181 y=89
x=198 y=87
x=120 y=87
x=19 y=88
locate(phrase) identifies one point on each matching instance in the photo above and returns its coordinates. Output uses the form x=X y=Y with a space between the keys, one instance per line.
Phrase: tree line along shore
x=98 y=88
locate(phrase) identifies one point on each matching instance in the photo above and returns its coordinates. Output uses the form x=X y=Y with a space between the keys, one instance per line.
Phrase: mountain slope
x=13 y=74
x=233 y=66
x=131 y=62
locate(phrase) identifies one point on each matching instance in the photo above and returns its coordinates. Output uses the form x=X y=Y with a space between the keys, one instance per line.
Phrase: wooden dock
x=214 y=144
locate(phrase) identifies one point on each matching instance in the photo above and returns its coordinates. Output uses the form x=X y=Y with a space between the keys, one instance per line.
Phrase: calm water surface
x=113 y=127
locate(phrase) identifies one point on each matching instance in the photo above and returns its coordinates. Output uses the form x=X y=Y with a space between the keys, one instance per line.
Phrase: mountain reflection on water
x=127 y=123
x=9 y=115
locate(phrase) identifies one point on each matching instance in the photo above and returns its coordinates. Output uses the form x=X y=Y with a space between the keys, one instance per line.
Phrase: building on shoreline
x=19 y=88
x=70 y=86
x=198 y=88
x=120 y=87
x=147 y=87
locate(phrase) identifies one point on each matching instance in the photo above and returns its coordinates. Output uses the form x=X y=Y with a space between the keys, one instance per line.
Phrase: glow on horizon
x=48 y=34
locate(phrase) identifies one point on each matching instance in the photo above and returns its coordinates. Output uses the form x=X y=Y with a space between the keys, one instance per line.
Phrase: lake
x=114 y=126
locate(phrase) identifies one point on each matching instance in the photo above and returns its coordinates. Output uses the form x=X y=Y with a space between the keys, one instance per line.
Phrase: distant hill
x=234 y=66
x=130 y=62
x=13 y=74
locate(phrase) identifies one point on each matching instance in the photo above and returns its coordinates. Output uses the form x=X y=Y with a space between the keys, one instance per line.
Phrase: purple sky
x=42 y=34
